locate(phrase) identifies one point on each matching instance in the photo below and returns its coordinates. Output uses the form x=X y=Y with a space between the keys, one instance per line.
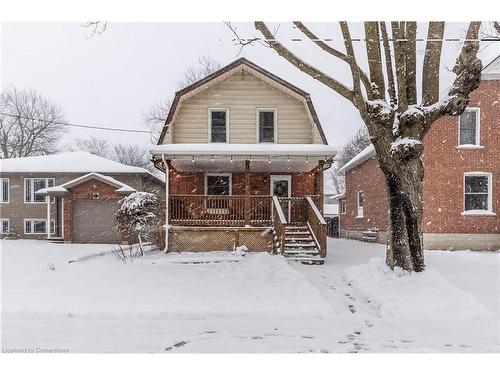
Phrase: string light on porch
x=231 y=159
x=307 y=159
x=288 y=158
x=192 y=159
x=269 y=161
x=212 y=159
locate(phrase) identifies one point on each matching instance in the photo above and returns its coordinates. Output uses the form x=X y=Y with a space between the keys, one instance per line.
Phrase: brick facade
x=445 y=165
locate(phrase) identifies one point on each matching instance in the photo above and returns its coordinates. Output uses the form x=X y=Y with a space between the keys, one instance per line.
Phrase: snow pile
x=425 y=297
x=239 y=251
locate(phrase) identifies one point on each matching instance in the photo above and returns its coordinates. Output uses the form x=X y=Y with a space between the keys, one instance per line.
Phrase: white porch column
x=47 y=199
x=167 y=177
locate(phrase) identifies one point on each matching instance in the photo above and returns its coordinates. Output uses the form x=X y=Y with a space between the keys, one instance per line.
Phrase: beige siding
x=242 y=93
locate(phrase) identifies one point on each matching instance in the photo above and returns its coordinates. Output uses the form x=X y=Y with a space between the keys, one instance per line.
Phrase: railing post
x=321 y=164
x=247 y=193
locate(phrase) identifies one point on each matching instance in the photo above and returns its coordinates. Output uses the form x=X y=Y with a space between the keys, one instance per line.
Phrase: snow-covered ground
x=222 y=302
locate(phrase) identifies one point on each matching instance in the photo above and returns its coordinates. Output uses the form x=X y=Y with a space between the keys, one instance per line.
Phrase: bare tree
x=94 y=145
x=131 y=155
x=30 y=125
x=155 y=117
x=396 y=119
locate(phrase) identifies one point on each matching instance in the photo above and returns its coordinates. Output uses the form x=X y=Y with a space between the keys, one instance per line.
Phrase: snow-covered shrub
x=140 y=214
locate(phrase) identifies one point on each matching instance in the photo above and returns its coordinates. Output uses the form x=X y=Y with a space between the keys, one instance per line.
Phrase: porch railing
x=220 y=210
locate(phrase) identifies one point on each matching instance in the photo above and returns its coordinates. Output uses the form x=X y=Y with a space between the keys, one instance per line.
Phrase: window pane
x=266 y=126
x=468 y=127
x=27 y=226
x=476 y=202
x=39 y=227
x=361 y=199
x=5 y=190
x=218 y=185
x=5 y=226
x=476 y=184
x=39 y=183
x=27 y=189
x=218 y=126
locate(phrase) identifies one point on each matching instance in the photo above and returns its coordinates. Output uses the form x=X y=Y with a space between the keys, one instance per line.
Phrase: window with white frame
x=469 y=127
x=4 y=226
x=342 y=207
x=361 y=202
x=217 y=184
x=218 y=125
x=38 y=226
x=4 y=190
x=266 y=123
x=32 y=185
x=477 y=192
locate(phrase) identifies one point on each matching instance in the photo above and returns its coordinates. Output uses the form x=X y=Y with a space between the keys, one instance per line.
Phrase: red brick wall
x=84 y=191
x=445 y=166
x=194 y=183
x=369 y=178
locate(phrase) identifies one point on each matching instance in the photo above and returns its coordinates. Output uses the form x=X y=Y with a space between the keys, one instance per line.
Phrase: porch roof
x=230 y=157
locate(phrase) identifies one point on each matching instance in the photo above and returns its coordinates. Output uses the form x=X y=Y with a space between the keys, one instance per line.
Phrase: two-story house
x=244 y=153
x=84 y=192
x=461 y=197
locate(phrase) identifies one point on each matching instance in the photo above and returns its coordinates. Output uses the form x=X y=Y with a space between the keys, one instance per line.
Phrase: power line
x=78 y=125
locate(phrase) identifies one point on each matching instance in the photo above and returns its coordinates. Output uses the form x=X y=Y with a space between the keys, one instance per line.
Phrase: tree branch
x=374 y=59
x=398 y=36
x=302 y=65
x=411 y=63
x=332 y=51
x=388 y=65
x=432 y=60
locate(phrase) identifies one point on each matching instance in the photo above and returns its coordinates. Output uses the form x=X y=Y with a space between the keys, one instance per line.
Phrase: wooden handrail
x=317 y=226
x=279 y=225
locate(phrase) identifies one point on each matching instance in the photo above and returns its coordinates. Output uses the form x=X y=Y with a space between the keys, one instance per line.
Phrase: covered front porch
x=230 y=186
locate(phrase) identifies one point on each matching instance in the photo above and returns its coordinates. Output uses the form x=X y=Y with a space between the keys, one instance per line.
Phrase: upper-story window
x=4 y=190
x=361 y=203
x=32 y=185
x=477 y=192
x=469 y=127
x=218 y=125
x=266 y=125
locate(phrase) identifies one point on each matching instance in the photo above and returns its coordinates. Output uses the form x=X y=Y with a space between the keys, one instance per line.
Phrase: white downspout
x=167 y=175
x=48 y=216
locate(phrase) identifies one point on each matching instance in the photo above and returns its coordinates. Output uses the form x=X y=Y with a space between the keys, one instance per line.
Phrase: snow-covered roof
x=331 y=209
x=61 y=189
x=69 y=162
x=492 y=70
x=244 y=149
x=363 y=156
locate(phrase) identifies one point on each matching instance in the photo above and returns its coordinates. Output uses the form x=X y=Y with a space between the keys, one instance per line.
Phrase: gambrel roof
x=228 y=70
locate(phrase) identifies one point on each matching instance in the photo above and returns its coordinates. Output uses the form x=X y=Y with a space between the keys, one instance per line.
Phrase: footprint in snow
x=177 y=345
x=352 y=309
x=368 y=323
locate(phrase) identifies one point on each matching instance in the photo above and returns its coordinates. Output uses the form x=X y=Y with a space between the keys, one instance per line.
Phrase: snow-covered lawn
x=220 y=302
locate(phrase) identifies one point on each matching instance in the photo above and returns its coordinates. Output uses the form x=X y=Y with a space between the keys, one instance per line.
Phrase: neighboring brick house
x=243 y=151
x=84 y=190
x=461 y=185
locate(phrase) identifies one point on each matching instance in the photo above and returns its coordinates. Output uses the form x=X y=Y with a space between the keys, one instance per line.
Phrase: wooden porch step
x=297 y=244
x=307 y=260
x=298 y=239
x=303 y=233
x=301 y=252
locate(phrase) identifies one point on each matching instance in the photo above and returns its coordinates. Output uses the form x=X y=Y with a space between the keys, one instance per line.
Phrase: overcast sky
x=112 y=78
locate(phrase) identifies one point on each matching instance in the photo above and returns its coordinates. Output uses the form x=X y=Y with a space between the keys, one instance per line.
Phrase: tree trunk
x=405 y=241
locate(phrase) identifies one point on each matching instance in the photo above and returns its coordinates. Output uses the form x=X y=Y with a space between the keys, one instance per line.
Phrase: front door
x=281 y=186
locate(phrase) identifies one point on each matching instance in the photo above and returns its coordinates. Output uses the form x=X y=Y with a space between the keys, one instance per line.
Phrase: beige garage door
x=93 y=221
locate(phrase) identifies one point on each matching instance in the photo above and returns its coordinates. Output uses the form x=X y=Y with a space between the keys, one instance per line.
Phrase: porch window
x=218 y=125
x=31 y=185
x=218 y=185
x=266 y=125
x=38 y=226
x=477 y=192
x=361 y=203
x=4 y=190
x=469 y=127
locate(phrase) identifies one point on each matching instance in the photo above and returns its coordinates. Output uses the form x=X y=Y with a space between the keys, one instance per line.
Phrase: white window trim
x=257 y=127
x=32 y=226
x=8 y=189
x=210 y=110
x=360 y=207
x=478 y=131
x=487 y=212
x=219 y=174
x=33 y=190
x=8 y=225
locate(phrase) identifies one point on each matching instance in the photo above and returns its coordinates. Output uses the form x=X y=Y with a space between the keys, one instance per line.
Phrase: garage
x=93 y=221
